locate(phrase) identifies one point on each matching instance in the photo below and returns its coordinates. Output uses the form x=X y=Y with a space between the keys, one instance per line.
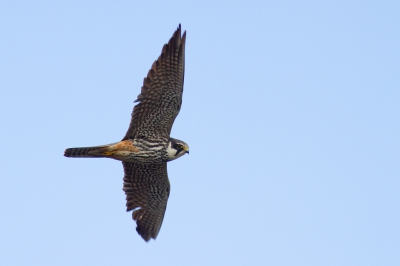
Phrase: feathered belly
x=143 y=157
x=139 y=151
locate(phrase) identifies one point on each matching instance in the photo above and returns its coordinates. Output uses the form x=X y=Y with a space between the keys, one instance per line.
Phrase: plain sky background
x=291 y=110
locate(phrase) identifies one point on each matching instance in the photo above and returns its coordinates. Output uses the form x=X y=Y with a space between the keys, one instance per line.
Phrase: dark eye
x=179 y=146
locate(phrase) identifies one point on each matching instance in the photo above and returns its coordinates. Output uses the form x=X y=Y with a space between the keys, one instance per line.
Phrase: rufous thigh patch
x=125 y=145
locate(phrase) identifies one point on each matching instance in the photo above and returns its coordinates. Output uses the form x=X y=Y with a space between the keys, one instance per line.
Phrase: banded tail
x=88 y=152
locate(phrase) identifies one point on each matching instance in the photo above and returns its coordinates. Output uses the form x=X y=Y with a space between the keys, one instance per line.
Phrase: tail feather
x=87 y=152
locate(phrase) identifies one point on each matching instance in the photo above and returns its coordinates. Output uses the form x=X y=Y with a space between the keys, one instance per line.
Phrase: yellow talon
x=108 y=153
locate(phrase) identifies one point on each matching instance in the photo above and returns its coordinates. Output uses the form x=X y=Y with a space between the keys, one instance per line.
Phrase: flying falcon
x=147 y=145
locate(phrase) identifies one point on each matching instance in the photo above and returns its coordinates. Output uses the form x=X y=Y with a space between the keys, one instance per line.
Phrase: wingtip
x=145 y=235
x=179 y=30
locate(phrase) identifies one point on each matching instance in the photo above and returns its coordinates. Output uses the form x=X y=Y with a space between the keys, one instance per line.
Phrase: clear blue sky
x=291 y=110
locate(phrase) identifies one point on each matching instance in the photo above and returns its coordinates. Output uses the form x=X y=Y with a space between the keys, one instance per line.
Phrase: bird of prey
x=147 y=145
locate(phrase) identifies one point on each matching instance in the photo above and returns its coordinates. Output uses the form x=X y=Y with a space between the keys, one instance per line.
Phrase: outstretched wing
x=161 y=95
x=147 y=190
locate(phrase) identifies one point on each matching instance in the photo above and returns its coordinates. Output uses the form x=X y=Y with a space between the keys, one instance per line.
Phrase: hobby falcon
x=147 y=145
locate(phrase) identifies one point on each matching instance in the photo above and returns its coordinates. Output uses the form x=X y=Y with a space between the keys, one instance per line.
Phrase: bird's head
x=176 y=148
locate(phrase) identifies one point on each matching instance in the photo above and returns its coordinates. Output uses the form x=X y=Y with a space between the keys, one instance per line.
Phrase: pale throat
x=172 y=152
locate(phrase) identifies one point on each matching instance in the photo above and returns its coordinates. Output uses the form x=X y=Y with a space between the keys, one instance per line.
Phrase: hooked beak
x=186 y=149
